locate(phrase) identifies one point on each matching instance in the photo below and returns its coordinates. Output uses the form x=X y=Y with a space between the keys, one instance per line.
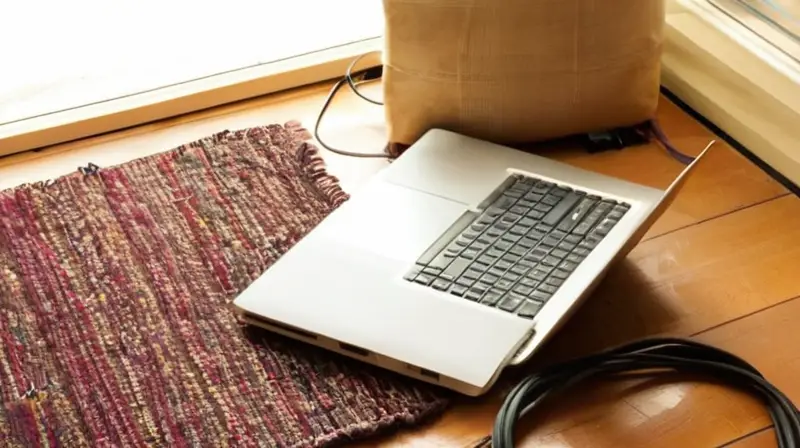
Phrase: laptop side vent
x=423 y=372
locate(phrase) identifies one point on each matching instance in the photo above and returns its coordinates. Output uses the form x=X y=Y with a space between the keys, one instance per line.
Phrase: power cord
x=654 y=356
x=363 y=76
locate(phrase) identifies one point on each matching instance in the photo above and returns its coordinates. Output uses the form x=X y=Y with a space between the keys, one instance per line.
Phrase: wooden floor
x=719 y=266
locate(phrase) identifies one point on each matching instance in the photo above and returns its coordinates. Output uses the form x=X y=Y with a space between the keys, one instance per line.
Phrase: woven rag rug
x=115 y=318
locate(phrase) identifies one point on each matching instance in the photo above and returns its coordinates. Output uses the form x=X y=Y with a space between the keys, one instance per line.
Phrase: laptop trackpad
x=392 y=221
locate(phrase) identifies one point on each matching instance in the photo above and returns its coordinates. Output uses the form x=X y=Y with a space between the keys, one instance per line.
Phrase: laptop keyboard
x=522 y=248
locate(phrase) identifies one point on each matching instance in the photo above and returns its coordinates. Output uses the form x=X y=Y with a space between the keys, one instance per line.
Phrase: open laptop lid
x=667 y=198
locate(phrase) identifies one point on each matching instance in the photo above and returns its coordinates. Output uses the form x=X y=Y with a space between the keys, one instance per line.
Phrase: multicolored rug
x=115 y=286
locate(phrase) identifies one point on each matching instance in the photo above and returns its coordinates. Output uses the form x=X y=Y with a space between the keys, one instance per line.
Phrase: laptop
x=459 y=259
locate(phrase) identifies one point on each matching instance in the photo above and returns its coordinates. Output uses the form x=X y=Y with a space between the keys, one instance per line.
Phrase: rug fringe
x=314 y=165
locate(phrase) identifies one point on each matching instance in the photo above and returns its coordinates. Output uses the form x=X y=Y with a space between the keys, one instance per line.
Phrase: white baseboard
x=735 y=80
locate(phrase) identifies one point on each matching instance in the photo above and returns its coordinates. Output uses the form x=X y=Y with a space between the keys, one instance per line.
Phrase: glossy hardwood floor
x=719 y=266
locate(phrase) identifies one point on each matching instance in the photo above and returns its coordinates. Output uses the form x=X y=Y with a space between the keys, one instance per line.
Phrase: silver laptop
x=460 y=258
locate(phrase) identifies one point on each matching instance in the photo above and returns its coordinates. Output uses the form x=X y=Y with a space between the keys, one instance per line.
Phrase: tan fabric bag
x=520 y=71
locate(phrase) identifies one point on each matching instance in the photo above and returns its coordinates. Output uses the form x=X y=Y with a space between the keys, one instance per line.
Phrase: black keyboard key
x=489 y=279
x=551 y=199
x=424 y=279
x=541 y=296
x=604 y=227
x=544 y=208
x=440 y=262
x=519 y=269
x=551 y=261
x=577 y=214
x=470 y=235
x=504 y=202
x=536 y=255
x=524 y=290
x=561 y=210
x=518 y=230
x=529 y=309
x=497 y=271
x=494 y=232
x=511 y=276
x=470 y=253
x=549 y=289
x=492 y=297
x=566 y=246
x=535 y=214
x=574 y=239
x=551 y=241
x=533 y=197
x=473 y=274
x=553 y=281
x=453 y=249
x=502 y=264
x=503 y=284
x=527 y=243
x=537 y=274
x=514 y=193
x=574 y=258
x=561 y=191
x=511 y=302
x=459 y=290
x=473 y=295
x=542 y=187
x=493 y=253
x=464 y=281
x=518 y=250
x=582 y=251
x=510 y=258
x=544 y=228
x=456 y=268
x=441 y=284
x=525 y=203
x=561 y=274
x=525 y=281
x=485 y=259
x=479 y=288
x=558 y=253
x=478 y=228
x=568 y=266
x=517 y=211
x=493 y=212
x=509 y=218
x=479 y=246
x=592 y=218
x=536 y=235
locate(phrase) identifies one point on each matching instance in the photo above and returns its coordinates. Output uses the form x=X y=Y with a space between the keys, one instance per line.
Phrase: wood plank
x=761 y=439
x=679 y=284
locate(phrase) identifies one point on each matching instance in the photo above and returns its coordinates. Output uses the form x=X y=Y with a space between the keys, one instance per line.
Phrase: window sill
x=179 y=99
x=736 y=80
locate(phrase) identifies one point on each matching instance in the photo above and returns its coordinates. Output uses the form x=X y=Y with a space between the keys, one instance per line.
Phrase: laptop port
x=278 y=326
x=353 y=349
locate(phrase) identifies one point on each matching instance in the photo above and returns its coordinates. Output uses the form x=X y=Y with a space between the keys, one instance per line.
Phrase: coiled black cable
x=653 y=355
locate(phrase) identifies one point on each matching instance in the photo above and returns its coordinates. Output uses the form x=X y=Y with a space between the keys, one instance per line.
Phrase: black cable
x=368 y=75
x=649 y=355
x=349 y=77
